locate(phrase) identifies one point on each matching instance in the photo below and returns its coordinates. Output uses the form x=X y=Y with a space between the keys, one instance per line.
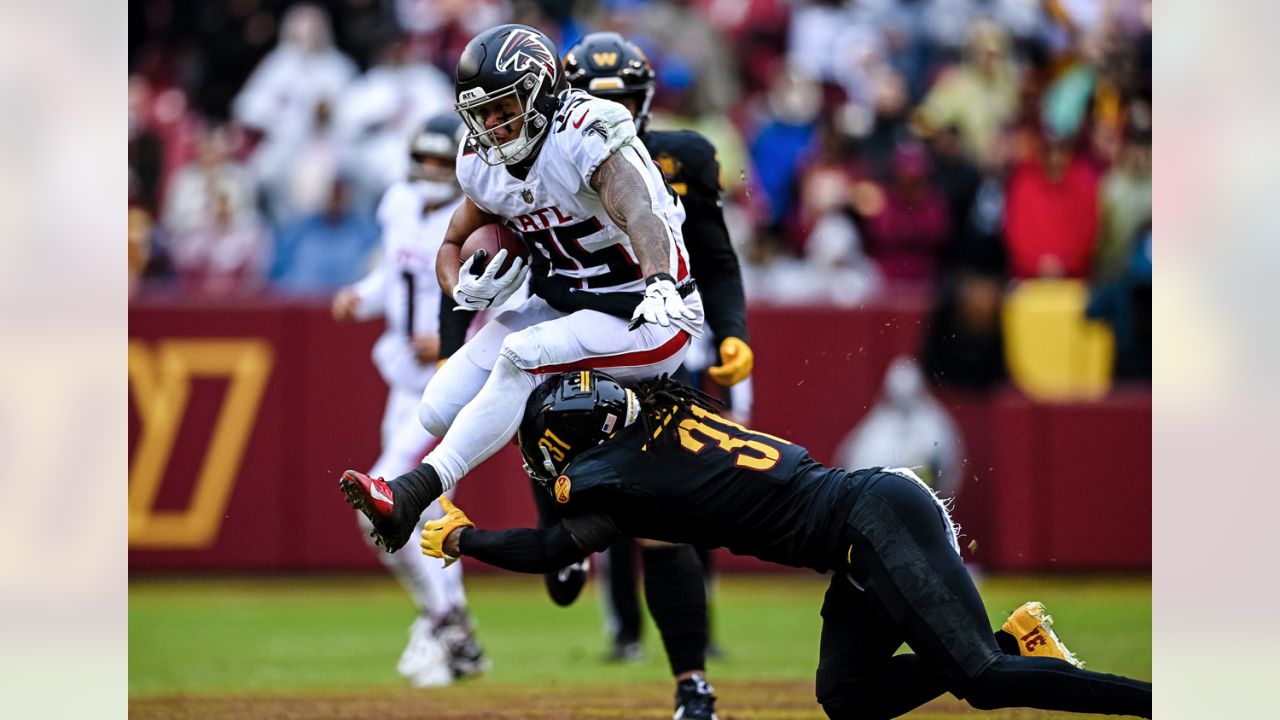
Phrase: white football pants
x=474 y=403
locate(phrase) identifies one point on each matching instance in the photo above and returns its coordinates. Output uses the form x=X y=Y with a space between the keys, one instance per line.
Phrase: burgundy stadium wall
x=242 y=414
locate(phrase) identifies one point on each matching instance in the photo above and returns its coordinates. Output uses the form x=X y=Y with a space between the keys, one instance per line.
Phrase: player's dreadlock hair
x=663 y=399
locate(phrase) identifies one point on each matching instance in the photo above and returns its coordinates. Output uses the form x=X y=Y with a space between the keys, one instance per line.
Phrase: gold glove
x=736 y=361
x=435 y=532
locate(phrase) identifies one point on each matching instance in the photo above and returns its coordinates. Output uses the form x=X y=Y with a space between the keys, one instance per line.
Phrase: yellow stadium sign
x=160 y=376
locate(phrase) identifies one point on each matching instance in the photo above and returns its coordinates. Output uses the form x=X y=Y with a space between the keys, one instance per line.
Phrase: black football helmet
x=610 y=66
x=506 y=61
x=438 y=138
x=568 y=415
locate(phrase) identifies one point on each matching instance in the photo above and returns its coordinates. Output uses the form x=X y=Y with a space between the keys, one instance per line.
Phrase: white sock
x=485 y=424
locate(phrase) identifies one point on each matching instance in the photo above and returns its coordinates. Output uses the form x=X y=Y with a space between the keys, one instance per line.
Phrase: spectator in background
x=283 y=97
x=907 y=428
x=878 y=143
x=757 y=32
x=439 y=29
x=212 y=183
x=225 y=254
x=380 y=112
x=1124 y=303
x=322 y=252
x=680 y=33
x=946 y=21
x=909 y=226
x=964 y=346
x=146 y=148
x=956 y=175
x=976 y=205
x=827 y=38
x=302 y=186
x=979 y=96
x=839 y=270
x=1051 y=213
x=148 y=259
x=787 y=130
x=1125 y=197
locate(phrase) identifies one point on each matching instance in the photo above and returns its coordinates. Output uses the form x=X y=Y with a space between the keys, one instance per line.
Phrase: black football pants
x=915 y=589
x=674 y=589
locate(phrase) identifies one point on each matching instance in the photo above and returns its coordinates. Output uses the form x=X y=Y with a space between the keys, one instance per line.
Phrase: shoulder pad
x=687 y=160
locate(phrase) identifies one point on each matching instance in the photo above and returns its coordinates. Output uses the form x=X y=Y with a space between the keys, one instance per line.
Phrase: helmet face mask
x=514 y=66
x=519 y=123
x=568 y=415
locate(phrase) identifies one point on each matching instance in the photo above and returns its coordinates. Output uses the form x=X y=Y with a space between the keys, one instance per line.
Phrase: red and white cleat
x=374 y=498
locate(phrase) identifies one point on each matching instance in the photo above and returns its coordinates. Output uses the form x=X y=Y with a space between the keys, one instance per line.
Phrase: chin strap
x=546 y=462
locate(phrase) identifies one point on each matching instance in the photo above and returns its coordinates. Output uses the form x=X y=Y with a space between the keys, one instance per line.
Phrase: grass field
x=327 y=647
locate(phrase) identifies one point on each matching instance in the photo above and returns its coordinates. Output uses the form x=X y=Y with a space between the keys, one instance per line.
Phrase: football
x=492 y=238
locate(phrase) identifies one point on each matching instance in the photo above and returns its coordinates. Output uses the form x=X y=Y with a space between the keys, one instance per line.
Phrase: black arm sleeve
x=453 y=326
x=532 y=551
x=560 y=294
x=711 y=256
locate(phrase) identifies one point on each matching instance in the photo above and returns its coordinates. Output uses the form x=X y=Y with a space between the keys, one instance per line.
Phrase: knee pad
x=523 y=349
x=432 y=419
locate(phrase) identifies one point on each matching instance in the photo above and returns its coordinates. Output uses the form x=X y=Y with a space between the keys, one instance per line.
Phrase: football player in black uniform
x=607 y=65
x=658 y=462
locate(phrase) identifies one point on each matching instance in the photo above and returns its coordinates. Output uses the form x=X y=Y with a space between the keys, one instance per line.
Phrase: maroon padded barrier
x=1046 y=486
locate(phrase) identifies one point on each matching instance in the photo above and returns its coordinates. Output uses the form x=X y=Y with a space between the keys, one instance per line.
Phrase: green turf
x=283 y=634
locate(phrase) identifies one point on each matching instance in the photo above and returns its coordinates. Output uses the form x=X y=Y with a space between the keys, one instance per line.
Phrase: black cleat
x=393 y=525
x=566 y=584
x=695 y=700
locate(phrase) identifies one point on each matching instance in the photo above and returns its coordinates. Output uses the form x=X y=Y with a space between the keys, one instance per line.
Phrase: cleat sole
x=357 y=499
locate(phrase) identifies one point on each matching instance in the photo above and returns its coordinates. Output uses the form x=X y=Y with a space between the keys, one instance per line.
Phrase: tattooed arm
x=626 y=195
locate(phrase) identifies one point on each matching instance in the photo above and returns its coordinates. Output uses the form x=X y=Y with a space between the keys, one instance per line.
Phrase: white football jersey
x=556 y=209
x=403 y=287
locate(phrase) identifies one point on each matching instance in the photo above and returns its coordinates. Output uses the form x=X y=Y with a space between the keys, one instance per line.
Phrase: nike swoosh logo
x=373 y=490
x=578 y=123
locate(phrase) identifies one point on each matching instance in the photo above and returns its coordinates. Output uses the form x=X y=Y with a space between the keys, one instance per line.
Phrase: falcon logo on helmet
x=509 y=73
x=523 y=48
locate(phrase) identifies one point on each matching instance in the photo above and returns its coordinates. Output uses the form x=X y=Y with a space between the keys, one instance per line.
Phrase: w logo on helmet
x=522 y=49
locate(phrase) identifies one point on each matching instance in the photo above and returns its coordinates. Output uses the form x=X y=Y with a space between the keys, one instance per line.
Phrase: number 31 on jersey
x=750 y=454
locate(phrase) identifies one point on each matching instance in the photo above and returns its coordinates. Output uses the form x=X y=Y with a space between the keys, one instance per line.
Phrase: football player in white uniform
x=567 y=170
x=413 y=215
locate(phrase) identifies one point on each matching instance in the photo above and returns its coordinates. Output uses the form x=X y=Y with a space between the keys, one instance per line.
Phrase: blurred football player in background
x=609 y=66
x=413 y=215
x=907 y=428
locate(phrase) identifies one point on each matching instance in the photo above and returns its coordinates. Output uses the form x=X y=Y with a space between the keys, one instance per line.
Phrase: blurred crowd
x=868 y=147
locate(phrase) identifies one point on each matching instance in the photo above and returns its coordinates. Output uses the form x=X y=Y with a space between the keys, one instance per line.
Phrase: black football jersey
x=712 y=483
x=689 y=165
